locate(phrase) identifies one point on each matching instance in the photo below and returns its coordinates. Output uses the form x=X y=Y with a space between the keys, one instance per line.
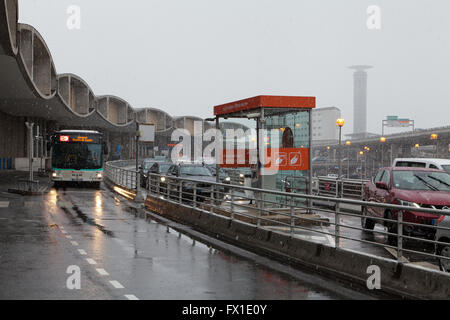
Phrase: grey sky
x=187 y=56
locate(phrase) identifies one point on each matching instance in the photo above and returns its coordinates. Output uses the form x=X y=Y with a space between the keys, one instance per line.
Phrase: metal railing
x=117 y=173
x=345 y=188
x=298 y=217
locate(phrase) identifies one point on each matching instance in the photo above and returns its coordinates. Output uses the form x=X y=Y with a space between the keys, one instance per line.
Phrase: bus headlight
x=54 y=174
x=99 y=175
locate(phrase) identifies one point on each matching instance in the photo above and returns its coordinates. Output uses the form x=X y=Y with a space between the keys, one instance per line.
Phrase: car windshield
x=421 y=180
x=195 y=171
x=163 y=168
x=148 y=164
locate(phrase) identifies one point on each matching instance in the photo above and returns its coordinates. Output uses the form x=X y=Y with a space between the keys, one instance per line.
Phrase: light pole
x=361 y=153
x=328 y=157
x=434 y=136
x=340 y=123
x=382 y=141
x=365 y=161
x=348 y=144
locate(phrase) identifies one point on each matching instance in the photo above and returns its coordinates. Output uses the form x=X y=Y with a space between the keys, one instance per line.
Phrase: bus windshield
x=77 y=156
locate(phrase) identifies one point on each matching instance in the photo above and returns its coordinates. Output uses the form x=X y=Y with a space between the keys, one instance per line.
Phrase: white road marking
x=131 y=297
x=116 y=284
x=61 y=227
x=69 y=237
x=64 y=231
x=74 y=243
x=91 y=261
x=102 y=272
x=82 y=252
x=4 y=204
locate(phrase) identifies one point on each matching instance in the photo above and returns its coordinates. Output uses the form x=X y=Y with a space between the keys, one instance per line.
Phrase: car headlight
x=163 y=179
x=241 y=175
x=227 y=179
x=408 y=203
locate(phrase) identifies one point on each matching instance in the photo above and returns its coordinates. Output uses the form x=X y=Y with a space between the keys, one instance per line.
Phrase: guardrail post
x=337 y=223
x=292 y=216
x=211 y=200
x=260 y=206
x=232 y=203
x=180 y=194
x=194 y=196
x=399 y=235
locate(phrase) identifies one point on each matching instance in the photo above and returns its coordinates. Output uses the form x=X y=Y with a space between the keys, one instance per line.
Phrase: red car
x=407 y=186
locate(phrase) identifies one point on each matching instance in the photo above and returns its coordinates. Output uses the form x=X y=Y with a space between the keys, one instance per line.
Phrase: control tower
x=360 y=99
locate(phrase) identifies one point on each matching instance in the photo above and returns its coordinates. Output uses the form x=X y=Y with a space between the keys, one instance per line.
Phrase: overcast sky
x=185 y=56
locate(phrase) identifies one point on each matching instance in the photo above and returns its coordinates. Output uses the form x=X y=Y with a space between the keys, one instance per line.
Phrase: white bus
x=77 y=156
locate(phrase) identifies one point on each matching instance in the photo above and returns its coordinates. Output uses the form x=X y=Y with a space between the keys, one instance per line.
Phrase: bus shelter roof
x=272 y=105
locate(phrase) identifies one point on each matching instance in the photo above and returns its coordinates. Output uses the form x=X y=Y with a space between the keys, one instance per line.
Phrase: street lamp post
x=382 y=140
x=348 y=143
x=340 y=123
x=361 y=153
x=328 y=157
x=434 y=136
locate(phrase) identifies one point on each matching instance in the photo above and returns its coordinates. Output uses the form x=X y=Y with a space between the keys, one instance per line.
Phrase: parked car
x=194 y=172
x=443 y=235
x=407 y=186
x=145 y=166
x=159 y=168
x=433 y=163
x=223 y=176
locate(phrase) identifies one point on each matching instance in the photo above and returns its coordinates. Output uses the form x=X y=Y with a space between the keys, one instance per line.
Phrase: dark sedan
x=195 y=172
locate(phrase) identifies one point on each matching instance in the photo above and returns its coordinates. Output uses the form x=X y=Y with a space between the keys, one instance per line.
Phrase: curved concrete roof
x=30 y=86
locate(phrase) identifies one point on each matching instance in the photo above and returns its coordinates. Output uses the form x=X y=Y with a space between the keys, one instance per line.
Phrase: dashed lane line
x=74 y=243
x=4 y=204
x=82 y=252
x=68 y=237
x=131 y=297
x=91 y=261
x=116 y=284
x=102 y=272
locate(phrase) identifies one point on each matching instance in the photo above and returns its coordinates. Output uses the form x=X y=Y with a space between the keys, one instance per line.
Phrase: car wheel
x=445 y=263
x=366 y=223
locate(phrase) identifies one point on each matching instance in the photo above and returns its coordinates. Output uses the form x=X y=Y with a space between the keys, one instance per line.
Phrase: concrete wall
x=404 y=280
x=12 y=136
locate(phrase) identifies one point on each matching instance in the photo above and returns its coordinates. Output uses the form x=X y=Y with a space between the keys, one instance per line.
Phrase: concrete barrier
x=403 y=280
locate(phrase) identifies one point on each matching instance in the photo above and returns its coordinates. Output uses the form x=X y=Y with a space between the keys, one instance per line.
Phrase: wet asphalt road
x=121 y=256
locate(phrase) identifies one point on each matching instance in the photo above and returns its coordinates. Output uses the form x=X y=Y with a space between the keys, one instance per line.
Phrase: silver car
x=444 y=250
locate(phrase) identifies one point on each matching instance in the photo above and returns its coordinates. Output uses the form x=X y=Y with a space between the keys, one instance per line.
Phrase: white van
x=433 y=163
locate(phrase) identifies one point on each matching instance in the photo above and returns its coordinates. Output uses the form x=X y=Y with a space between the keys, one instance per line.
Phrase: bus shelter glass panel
x=294 y=139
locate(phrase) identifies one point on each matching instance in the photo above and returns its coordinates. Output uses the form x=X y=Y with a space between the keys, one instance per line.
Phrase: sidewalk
x=9 y=179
